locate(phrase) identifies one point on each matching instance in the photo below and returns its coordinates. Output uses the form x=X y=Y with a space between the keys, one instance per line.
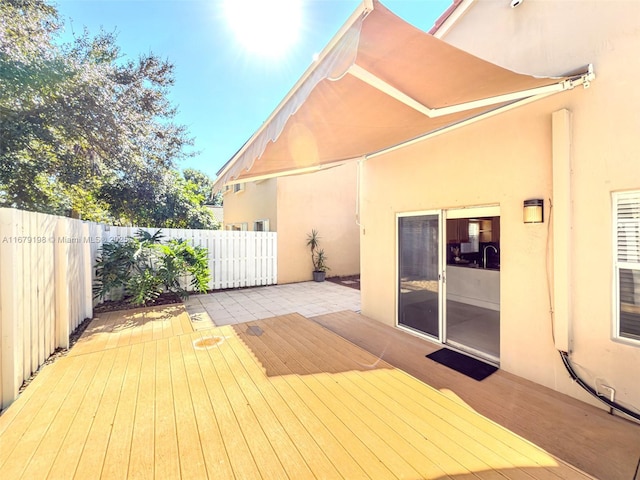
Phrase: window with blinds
x=627 y=264
x=237 y=227
x=261 y=226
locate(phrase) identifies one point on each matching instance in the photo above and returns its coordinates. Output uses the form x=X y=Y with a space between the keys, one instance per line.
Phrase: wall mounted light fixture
x=533 y=211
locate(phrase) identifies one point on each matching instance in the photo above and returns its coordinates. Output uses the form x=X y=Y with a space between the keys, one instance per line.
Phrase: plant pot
x=319 y=276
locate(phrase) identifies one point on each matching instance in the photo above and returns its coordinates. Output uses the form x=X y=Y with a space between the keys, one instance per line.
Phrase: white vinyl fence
x=46 y=278
x=236 y=259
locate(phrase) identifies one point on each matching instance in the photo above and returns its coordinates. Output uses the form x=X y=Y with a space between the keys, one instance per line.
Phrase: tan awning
x=379 y=83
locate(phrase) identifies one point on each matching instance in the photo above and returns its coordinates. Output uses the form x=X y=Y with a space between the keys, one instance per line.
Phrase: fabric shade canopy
x=379 y=83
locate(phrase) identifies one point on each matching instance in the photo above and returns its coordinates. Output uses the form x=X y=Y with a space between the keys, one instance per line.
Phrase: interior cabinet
x=495 y=226
x=458 y=230
x=490 y=230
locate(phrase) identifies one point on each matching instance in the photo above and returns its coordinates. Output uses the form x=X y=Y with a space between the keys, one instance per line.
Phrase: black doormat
x=464 y=364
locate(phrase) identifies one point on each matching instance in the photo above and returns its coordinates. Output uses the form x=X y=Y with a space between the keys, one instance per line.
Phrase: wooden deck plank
x=142 y=457
x=125 y=333
x=116 y=462
x=240 y=456
x=31 y=396
x=73 y=443
x=116 y=331
x=78 y=401
x=136 y=334
x=167 y=464
x=353 y=432
x=192 y=464
x=34 y=416
x=499 y=445
x=146 y=334
x=214 y=450
x=395 y=428
x=420 y=462
x=565 y=427
x=268 y=464
x=390 y=447
x=185 y=323
x=95 y=337
x=49 y=427
x=92 y=458
x=119 y=329
x=476 y=442
x=448 y=436
x=278 y=398
x=308 y=411
x=285 y=449
x=303 y=437
x=460 y=437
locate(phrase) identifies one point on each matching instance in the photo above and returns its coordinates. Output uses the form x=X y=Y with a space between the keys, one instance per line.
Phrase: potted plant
x=318 y=257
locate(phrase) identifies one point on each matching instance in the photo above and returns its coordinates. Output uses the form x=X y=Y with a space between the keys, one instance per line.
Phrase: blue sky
x=224 y=87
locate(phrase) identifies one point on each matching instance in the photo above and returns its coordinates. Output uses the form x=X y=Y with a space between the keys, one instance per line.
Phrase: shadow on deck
x=145 y=396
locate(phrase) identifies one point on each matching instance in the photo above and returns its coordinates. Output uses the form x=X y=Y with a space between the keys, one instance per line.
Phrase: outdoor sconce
x=533 y=211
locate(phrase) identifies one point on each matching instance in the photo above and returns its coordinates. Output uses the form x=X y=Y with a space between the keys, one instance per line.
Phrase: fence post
x=9 y=363
x=87 y=263
x=61 y=260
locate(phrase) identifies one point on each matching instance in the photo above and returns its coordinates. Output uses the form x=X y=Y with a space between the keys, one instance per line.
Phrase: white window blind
x=261 y=226
x=237 y=227
x=627 y=264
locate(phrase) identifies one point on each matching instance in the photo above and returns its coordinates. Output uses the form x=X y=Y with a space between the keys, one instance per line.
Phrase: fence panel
x=236 y=259
x=46 y=265
x=47 y=273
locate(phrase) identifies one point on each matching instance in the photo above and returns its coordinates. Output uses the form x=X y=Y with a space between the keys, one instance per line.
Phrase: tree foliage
x=82 y=130
x=158 y=198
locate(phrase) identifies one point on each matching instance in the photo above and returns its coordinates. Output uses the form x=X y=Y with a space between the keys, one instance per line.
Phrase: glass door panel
x=419 y=273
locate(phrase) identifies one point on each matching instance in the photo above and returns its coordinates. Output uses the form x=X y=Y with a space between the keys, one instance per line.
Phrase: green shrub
x=141 y=268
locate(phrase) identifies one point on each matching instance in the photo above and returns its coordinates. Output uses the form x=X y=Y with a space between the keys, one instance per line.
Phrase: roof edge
x=450 y=17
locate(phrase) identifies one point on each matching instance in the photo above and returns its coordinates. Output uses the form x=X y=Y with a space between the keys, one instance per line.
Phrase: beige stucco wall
x=326 y=201
x=507 y=159
x=256 y=202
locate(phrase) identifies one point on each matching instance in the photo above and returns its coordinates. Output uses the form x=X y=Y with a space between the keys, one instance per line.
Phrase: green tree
x=202 y=182
x=157 y=199
x=82 y=130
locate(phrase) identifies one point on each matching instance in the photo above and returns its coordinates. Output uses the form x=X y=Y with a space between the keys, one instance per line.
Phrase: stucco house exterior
x=217 y=212
x=499 y=212
x=293 y=206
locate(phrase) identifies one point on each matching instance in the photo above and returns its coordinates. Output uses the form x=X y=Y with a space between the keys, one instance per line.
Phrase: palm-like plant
x=313 y=241
x=318 y=257
x=320 y=264
x=143 y=268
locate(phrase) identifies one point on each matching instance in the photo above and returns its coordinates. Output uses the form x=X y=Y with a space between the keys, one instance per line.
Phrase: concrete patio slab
x=231 y=307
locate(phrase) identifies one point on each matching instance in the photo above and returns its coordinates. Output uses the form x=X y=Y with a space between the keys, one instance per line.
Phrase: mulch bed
x=167 y=298
x=351 y=281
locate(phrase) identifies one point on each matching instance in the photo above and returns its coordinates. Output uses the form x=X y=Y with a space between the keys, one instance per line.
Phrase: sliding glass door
x=419 y=273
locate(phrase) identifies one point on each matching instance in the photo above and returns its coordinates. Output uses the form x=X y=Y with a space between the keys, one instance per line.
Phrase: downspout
x=560 y=305
x=360 y=164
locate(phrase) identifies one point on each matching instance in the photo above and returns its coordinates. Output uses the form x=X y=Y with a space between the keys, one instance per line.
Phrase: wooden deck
x=273 y=399
x=605 y=446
